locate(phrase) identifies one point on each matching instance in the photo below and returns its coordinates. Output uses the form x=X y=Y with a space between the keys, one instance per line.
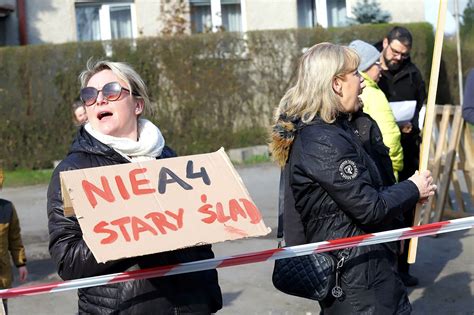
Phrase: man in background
x=402 y=81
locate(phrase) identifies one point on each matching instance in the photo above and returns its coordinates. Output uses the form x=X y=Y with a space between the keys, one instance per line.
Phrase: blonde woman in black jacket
x=337 y=188
x=115 y=97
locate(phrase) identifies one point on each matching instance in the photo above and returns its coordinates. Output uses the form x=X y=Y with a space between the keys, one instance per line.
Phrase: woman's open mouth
x=103 y=114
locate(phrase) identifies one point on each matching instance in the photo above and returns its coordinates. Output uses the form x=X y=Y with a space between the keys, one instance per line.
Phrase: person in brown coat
x=11 y=245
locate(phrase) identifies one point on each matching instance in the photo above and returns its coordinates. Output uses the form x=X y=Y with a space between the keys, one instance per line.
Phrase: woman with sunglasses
x=115 y=96
x=336 y=186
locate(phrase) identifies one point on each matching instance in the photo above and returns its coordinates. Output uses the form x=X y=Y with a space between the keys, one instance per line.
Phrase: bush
x=207 y=90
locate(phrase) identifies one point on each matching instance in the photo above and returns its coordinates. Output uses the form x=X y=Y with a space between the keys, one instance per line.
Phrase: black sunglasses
x=111 y=92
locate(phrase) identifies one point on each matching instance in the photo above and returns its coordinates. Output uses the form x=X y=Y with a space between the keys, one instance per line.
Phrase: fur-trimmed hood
x=282 y=137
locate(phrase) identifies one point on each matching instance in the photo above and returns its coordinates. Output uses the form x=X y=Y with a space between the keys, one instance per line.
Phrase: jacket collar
x=368 y=80
x=85 y=143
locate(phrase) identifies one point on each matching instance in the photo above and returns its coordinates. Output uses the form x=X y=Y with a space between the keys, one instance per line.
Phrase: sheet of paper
x=421 y=118
x=403 y=110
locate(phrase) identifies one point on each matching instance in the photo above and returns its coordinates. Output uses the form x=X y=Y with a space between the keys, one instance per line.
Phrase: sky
x=431 y=14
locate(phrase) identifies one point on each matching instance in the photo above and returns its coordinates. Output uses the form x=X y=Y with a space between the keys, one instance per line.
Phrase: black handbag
x=310 y=276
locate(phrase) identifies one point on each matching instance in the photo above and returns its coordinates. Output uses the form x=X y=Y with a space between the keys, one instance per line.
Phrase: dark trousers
x=403 y=265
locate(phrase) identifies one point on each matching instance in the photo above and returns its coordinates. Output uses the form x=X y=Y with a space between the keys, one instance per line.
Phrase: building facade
x=59 y=21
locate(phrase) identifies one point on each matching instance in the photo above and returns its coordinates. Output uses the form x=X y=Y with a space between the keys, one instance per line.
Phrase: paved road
x=445 y=265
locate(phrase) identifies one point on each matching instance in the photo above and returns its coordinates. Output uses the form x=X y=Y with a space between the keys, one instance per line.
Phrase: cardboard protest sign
x=141 y=208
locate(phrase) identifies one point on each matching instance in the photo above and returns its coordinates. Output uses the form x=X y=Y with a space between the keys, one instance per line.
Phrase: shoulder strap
x=281 y=202
x=289 y=220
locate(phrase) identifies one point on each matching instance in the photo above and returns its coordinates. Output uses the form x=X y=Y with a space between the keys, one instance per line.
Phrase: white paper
x=403 y=110
x=421 y=117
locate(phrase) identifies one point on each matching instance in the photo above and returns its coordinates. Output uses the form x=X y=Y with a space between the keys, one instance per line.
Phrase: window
x=97 y=21
x=121 y=22
x=207 y=15
x=201 y=18
x=231 y=17
x=88 y=23
x=306 y=13
x=337 y=13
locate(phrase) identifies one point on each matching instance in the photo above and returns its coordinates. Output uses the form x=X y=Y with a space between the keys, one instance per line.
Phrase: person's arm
x=355 y=194
x=15 y=244
x=468 y=106
x=66 y=245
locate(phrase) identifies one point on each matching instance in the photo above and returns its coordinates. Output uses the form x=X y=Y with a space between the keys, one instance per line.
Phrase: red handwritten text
x=132 y=227
x=235 y=210
x=105 y=192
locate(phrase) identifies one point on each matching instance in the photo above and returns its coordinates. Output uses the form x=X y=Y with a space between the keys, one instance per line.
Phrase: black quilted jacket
x=195 y=293
x=338 y=193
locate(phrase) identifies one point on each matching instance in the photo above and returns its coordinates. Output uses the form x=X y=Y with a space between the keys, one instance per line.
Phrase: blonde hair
x=313 y=95
x=123 y=71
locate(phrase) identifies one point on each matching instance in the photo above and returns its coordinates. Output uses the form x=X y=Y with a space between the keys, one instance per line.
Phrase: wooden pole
x=430 y=114
x=458 y=51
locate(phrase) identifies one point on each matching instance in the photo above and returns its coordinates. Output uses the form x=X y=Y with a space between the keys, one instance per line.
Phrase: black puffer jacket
x=338 y=193
x=194 y=293
x=372 y=140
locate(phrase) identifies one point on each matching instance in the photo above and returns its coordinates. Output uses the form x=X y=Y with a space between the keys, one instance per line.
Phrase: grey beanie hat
x=368 y=54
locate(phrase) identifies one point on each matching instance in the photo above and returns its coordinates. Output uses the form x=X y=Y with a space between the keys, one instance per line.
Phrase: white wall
x=271 y=14
x=402 y=11
x=52 y=21
x=148 y=15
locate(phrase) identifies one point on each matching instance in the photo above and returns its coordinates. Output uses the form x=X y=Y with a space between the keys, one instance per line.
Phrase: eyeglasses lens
x=89 y=95
x=111 y=92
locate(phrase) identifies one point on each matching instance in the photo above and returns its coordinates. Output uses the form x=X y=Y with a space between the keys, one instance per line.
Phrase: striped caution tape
x=247 y=258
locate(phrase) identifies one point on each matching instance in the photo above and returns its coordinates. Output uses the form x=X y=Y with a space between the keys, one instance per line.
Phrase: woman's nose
x=101 y=100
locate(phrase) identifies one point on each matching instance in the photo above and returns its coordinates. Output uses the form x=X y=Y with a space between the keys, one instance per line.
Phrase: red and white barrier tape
x=248 y=258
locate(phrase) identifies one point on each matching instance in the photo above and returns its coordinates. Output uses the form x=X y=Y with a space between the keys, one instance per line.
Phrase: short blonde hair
x=313 y=95
x=123 y=71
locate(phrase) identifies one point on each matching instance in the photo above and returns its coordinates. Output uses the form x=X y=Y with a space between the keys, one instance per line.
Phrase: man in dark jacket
x=402 y=81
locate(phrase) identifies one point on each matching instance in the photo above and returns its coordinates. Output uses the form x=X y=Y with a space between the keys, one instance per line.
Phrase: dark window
x=306 y=13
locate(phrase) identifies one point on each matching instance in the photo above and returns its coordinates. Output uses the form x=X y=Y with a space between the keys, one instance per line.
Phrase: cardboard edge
x=226 y=158
x=67 y=203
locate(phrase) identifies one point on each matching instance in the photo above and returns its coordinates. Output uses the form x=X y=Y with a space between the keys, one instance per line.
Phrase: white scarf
x=149 y=145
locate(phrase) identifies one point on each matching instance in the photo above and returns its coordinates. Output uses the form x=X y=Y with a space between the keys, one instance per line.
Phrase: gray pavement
x=445 y=265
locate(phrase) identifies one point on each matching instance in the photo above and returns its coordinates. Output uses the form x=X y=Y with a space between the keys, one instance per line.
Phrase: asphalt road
x=445 y=265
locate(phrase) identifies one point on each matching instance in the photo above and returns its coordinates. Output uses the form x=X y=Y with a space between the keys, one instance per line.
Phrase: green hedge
x=208 y=90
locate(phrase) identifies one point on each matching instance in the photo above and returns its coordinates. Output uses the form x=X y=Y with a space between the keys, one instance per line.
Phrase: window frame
x=104 y=18
x=216 y=12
